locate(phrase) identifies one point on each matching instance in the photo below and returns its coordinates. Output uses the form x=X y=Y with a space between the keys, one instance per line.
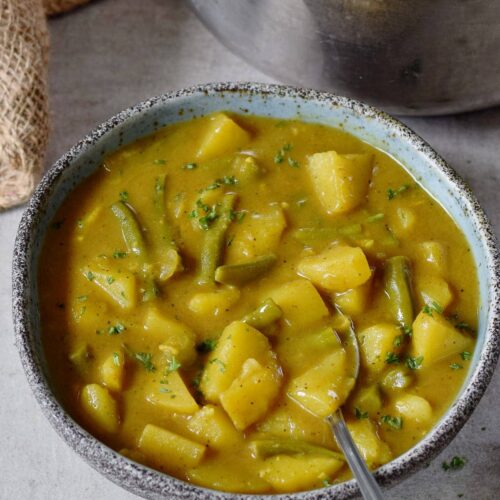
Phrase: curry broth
x=76 y=314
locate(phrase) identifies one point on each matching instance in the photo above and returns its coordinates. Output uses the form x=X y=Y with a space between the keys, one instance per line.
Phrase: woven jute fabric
x=59 y=6
x=23 y=98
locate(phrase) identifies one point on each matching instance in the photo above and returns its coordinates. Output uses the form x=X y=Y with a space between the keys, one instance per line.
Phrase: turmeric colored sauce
x=197 y=294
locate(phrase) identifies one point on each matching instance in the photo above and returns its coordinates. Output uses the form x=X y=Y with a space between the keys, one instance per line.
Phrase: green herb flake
x=222 y=365
x=432 y=307
x=110 y=280
x=159 y=162
x=375 y=218
x=407 y=330
x=326 y=483
x=394 y=422
x=360 y=414
x=189 y=166
x=116 y=329
x=392 y=193
x=293 y=163
x=116 y=359
x=165 y=390
x=456 y=463
x=208 y=345
x=392 y=358
x=456 y=366
x=414 y=363
x=124 y=196
x=173 y=365
x=145 y=358
x=90 y=275
x=466 y=355
x=397 y=341
x=119 y=254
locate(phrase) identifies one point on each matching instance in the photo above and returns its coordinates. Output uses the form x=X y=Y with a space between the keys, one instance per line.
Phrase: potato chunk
x=324 y=387
x=113 y=371
x=173 y=335
x=340 y=181
x=299 y=472
x=375 y=343
x=414 y=408
x=300 y=302
x=237 y=343
x=374 y=451
x=214 y=303
x=353 y=301
x=434 y=289
x=100 y=408
x=169 y=451
x=120 y=286
x=251 y=394
x=223 y=136
x=212 y=427
x=337 y=269
x=434 y=257
x=172 y=394
x=435 y=338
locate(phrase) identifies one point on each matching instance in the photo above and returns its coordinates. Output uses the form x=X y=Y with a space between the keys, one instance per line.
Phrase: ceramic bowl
x=366 y=123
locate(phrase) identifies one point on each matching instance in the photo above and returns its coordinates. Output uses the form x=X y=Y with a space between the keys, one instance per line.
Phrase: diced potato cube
x=172 y=394
x=340 y=181
x=223 y=136
x=214 y=303
x=433 y=289
x=368 y=399
x=404 y=221
x=435 y=338
x=212 y=427
x=169 y=451
x=113 y=371
x=81 y=357
x=396 y=380
x=237 y=343
x=173 y=335
x=375 y=343
x=251 y=394
x=414 y=409
x=433 y=257
x=374 y=451
x=353 y=302
x=257 y=234
x=323 y=388
x=299 y=472
x=121 y=285
x=100 y=408
x=300 y=302
x=337 y=269
x=246 y=168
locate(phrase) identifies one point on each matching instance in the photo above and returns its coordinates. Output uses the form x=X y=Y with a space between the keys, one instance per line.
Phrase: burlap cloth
x=24 y=46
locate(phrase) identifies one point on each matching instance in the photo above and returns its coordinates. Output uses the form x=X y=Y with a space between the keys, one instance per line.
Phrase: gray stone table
x=111 y=54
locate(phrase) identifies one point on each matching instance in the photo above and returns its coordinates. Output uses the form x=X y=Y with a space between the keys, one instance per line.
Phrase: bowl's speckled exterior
x=368 y=124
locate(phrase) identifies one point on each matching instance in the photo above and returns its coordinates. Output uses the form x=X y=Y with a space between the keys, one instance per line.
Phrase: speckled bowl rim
x=150 y=483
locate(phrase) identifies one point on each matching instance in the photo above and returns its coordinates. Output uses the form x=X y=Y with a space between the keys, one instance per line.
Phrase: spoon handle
x=366 y=482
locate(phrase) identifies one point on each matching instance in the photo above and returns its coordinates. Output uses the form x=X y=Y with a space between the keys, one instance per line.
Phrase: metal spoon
x=366 y=482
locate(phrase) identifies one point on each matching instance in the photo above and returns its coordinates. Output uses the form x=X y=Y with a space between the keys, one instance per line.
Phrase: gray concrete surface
x=114 y=53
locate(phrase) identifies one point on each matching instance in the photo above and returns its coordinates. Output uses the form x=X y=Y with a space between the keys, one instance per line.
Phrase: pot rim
x=150 y=483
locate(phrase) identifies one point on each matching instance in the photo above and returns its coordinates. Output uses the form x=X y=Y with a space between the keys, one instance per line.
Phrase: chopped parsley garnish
x=222 y=365
x=460 y=325
x=432 y=307
x=407 y=330
x=375 y=218
x=116 y=329
x=227 y=180
x=392 y=358
x=279 y=157
x=466 y=355
x=360 y=414
x=326 y=483
x=208 y=345
x=394 y=422
x=190 y=166
x=159 y=162
x=237 y=215
x=206 y=220
x=456 y=366
x=173 y=365
x=116 y=359
x=124 y=196
x=165 y=390
x=293 y=163
x=90 y=275
x=397 y=341
x=414 y=363
x=392 y=193
x=455 y=463
x=110 y=280
x=145 y=359
x=119 y=254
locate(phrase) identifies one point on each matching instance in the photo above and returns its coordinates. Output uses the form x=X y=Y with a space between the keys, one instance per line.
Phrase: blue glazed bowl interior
x=364 y=122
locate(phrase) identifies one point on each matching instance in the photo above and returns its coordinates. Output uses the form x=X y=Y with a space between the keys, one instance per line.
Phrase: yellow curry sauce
x=198 y=291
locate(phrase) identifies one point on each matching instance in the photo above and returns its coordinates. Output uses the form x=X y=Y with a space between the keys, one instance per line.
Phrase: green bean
x=239 y=274
x=267 y=313
x=213 y=243
x=134 y=240
x=311 y=234
x=397 y=286
x=265 y=448
x=130 y=228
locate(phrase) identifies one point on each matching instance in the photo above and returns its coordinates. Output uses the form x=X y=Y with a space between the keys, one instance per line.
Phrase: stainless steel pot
x=419 y=57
